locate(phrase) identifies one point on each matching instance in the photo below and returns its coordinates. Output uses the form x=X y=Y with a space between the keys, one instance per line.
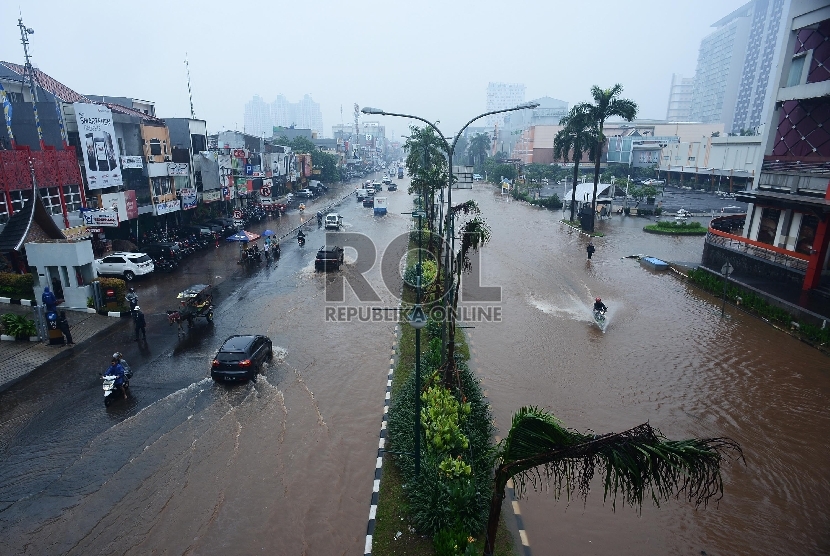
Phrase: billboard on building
x=211 y=196
x=189 y=198
x=123 y=203
x=100 y=218
x=131 y=162
x=100 y=149
x=131 y=204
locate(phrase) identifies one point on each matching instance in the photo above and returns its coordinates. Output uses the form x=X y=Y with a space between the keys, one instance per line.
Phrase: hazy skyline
x=430 y=59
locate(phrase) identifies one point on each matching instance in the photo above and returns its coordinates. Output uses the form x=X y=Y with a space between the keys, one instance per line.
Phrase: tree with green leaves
x=426 y=163
x=478 y=149
x=474 y=234
x=634 y=464
x=325 y=162
x=576 y=138
x=607 y=103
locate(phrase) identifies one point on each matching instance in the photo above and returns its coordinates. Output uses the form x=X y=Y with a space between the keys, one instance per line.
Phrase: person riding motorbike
x=599 y=306
x=115 y=369
x=300 y=237
x=319 y=218
x=132 y=299
x=123 y=362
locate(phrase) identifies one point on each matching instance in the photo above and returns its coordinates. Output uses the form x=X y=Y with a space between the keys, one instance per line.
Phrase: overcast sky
x=429 y=58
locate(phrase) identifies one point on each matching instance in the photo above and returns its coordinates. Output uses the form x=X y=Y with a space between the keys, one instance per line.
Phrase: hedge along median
x=676 y=228
x=756 y=305
x=446 y=506
x=17 y=286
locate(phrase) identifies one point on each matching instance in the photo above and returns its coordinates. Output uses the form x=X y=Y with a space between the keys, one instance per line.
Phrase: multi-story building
x=731 y=83
x=503 y=95
x=258 y=119
x=680 y=99
x=549 y=112
x=784 y=236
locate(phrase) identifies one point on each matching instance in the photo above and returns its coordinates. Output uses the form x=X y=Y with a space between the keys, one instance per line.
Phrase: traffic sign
x=237 y=214
x=265 y=191
x=727 y=269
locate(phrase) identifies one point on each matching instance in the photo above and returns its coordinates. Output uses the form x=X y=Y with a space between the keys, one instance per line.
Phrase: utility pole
x=189 y=91
x=30 y=73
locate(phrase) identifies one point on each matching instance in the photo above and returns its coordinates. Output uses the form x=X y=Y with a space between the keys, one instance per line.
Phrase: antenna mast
x=189 y=91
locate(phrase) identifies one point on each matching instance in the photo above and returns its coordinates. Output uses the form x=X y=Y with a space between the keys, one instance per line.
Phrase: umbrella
x=267 y=233
x=242 y=235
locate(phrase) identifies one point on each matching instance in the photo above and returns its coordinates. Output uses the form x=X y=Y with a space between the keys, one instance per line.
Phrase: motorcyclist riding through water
x=115 y=369
x=599 y=306
x=300 y=237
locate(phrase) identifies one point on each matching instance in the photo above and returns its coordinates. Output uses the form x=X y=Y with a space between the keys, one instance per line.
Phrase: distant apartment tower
x=304 y=114
x=680 y=98
x=258 y=121
x=503 y=95
x=732 y=79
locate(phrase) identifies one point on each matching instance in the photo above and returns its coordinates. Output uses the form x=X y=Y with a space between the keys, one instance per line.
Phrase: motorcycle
x=111 y=392
x=302 y=207
x=300 y=240
x=599 y=317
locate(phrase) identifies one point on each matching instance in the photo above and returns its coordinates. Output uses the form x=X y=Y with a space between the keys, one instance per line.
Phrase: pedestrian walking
x=63 y=326
x=590 y=249
x=49 y=300
x=140 y=323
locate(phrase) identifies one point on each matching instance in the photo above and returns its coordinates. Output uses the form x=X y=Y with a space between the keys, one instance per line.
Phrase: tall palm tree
x=606 y=104
x=633 y=464
x=426 y=163
x=478 y=147
x=575 y=139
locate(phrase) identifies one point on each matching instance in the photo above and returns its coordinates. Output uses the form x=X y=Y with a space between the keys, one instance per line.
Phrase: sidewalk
x=17 y=359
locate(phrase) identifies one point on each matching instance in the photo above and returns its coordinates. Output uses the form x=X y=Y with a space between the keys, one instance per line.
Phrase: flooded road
x=283 y=465
x=666 y=357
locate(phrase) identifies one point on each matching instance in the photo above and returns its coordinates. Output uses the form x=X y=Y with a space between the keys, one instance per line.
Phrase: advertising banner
x=118 y=203
x=188 y=198
x=177 y=169
x=131 y=204
x=239 y=153
x=242 y=190
x=211 y=196
x=131 y=162
x=101 y=218
x=167 y=206
x=98 y=144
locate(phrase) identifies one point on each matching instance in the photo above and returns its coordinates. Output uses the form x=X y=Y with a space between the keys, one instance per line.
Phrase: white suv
x=128 y=265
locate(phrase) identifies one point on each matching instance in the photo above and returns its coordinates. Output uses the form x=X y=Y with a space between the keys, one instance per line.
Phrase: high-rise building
x=503 y=95
x=258 y=119
x=732 y=83
x=261 y=117
x=680 y=98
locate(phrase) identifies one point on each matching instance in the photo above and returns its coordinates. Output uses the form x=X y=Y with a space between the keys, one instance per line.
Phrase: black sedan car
x=241 y=357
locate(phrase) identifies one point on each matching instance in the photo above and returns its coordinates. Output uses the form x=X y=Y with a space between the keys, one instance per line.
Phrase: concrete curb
x=115 y=314
x=12 y=301
x=7 y=338
x=373 y=506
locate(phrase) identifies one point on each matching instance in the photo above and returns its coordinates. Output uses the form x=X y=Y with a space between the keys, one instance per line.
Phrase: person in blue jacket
x=49 y=300
x=115 y=369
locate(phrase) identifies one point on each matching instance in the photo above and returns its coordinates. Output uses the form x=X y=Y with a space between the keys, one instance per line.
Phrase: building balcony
x=718 y=236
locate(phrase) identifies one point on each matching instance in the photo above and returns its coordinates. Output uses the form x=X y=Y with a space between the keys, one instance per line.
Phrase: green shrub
x=17 y=286
x=19 y=326
x=428 y=272
x=119 y=285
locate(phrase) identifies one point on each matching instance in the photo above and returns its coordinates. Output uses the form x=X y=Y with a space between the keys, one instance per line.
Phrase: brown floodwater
x=666 y=357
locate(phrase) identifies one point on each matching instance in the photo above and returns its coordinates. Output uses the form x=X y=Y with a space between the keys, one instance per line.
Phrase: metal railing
x=733 y=244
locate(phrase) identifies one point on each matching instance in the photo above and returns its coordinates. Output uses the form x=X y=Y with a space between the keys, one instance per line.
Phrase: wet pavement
x=666 y=357
x=283 y=465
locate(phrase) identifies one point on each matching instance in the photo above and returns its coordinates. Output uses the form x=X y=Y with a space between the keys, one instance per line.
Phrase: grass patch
x=676 y=228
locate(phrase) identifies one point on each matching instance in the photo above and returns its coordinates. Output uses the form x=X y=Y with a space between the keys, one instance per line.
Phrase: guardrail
x=776 y=255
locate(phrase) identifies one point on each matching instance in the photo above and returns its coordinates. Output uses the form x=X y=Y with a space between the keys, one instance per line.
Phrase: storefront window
x=769 y=225
x=161 y=186
x=806 y=234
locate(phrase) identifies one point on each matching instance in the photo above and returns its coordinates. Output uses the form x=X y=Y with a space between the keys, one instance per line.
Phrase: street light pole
x=448 y=226
x=418 y=320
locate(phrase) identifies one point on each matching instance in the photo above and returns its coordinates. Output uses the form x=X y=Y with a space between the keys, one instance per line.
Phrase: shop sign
x=101 y=218
x=189 y=198
x=242 y=190
x=211 y=196
x=77 y=232
x=131 y=204
x=165 y=207
x=177 y=169
x=239 y=153
x=132 y=162
x=98 y=146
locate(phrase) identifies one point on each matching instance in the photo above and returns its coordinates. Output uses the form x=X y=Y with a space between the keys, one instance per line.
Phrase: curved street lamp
x=449 y=224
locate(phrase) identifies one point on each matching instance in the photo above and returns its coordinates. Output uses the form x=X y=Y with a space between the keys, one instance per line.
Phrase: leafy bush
x=428 y=272
x=119 y=285
x=18 y=286
x=667 y=227
x=19 y=326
